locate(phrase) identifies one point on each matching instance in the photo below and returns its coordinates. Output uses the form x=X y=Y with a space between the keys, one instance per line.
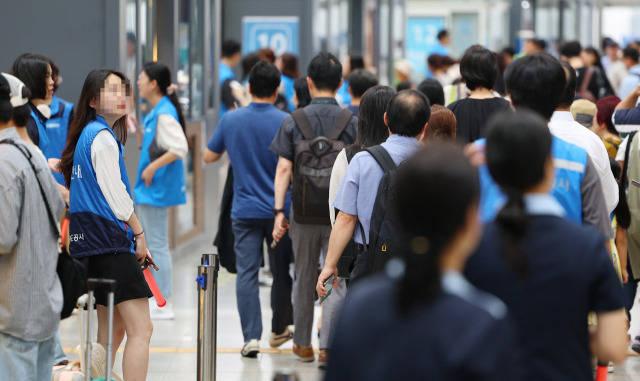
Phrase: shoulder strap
x=584 y=86
x=60 y=112
x=303 y=124
x=613 y=143
x=382 y=157
x=28 y=156
x=341 y=124
x=625 y=167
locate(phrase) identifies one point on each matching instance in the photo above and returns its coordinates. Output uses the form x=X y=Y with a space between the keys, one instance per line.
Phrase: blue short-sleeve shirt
x=358 y=190
x=246 y=134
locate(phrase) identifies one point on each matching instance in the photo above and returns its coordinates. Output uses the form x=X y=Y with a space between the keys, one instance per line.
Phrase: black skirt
x=125 y=270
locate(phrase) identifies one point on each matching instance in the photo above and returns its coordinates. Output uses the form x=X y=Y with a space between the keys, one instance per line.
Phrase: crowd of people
x=475 y=226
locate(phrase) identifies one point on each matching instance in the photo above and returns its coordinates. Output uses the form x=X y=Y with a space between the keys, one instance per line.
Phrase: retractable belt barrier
x=207 y=283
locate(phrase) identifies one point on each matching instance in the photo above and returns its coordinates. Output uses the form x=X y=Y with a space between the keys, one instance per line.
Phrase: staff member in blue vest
x=550 y=272
x=58 y=124
x=104 y=229
x=160 y=182
x=230 y=58
x=35 y=72
x=536 y=82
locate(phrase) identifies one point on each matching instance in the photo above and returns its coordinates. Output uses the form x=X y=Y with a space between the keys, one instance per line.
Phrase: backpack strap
x=625 y=166
x=382 y=157
x=303 y=124
x=341 y=124
x=584 y=86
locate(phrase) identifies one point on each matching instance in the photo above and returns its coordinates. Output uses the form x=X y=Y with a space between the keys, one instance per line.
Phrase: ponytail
x=421 y=280
x=162 y=75
x=174 y=100
x=513 y=222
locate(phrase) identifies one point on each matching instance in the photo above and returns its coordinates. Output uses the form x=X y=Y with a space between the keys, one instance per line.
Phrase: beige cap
x=583 y=112
x=404 y=67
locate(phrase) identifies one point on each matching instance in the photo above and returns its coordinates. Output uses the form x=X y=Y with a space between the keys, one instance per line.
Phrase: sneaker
x=636 y=344
x=160 y=313
x=277 y=340
x=323 y=358
x=305 y=354
x=251 y=348
x=610 y=367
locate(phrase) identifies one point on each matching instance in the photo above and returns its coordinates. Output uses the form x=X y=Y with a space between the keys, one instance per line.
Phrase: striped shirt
x=30 y=292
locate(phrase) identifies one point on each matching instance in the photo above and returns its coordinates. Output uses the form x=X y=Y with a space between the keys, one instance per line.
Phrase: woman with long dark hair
x=549 y=271
x=420 y=319
x=288 y=66
x=371 y=131
x=160 y=183
x=104 y=229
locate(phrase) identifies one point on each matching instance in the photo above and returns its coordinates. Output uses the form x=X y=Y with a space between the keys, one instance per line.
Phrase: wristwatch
x=277 y=211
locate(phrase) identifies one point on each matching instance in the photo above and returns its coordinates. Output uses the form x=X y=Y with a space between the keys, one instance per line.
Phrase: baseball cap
x=19 y=92
x=609 y=42
x=583 y=112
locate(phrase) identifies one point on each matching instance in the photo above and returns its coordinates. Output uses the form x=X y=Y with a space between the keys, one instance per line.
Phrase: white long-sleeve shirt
x=105 y=158
x=566 y=128
x=170 y=136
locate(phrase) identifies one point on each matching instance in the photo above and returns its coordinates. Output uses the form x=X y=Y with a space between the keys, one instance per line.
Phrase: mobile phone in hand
x=328 y=284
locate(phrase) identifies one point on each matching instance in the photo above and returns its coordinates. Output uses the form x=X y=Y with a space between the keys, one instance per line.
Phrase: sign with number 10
x=278 y=33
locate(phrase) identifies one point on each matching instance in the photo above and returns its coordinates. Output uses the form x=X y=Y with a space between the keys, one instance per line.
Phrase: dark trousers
x=250 y=235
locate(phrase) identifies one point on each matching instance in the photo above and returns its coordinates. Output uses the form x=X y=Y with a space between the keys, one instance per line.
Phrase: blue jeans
x=26 y=360
x=59 y=354
x=249 y=237
x=155 y=223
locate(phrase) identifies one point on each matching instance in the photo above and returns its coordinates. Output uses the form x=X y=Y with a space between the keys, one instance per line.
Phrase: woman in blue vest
x=58 y=124
x=549 y=271
x=104 y=230
x=160 y=183
x=35 y=72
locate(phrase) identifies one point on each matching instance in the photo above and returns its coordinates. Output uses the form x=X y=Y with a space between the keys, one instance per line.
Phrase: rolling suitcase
x=110 y=285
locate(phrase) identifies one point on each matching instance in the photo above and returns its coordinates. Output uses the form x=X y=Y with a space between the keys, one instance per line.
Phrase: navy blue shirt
x=246 y=134
x=570 y=274
x=462 y=334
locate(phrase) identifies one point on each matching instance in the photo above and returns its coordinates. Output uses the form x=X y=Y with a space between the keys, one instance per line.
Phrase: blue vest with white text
x=224 y=73
x=94 y=229
x=57 y=128
x=570 y=162
x=167 y=187
x=43 y=142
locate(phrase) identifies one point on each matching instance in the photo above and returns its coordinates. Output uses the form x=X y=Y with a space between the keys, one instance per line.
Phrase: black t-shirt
x=599 y=85
x=472 y=116
x=570 y=274
x=447 y=338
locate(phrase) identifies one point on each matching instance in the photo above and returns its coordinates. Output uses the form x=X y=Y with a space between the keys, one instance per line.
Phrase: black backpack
x=383 y=233
x=313 y=162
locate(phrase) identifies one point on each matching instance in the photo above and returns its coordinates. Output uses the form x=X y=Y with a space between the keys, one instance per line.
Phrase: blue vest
x=287 y=89
x=43 y=142
x=167 y=187
x=343 y=93
x=570 y=162
x=224 y=73
x=94 y=228
x=57 y=128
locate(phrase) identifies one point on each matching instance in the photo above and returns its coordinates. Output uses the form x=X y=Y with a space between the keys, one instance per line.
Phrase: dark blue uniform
x=463 y=334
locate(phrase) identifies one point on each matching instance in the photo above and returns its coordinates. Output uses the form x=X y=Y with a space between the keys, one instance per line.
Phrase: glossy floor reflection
x=173 y=344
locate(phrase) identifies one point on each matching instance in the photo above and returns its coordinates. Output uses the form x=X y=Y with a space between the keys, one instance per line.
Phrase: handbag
x=71 y=271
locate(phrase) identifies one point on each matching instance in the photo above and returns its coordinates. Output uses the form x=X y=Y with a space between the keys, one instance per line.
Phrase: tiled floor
x=173 y=345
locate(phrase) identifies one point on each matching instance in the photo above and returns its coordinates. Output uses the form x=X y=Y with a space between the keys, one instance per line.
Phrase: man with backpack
x=307 y=144
x=368 y=187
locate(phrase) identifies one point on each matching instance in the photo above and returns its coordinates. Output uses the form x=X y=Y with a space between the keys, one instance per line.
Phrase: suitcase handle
x=109 y=284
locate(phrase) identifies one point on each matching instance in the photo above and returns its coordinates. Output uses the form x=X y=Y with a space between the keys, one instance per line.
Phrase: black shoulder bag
x=71 y=271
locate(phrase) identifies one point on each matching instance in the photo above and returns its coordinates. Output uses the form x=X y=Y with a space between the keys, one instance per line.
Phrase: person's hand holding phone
x=326 y=273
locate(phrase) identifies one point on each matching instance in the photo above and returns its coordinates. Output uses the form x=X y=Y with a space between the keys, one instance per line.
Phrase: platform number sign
x=278 y=33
